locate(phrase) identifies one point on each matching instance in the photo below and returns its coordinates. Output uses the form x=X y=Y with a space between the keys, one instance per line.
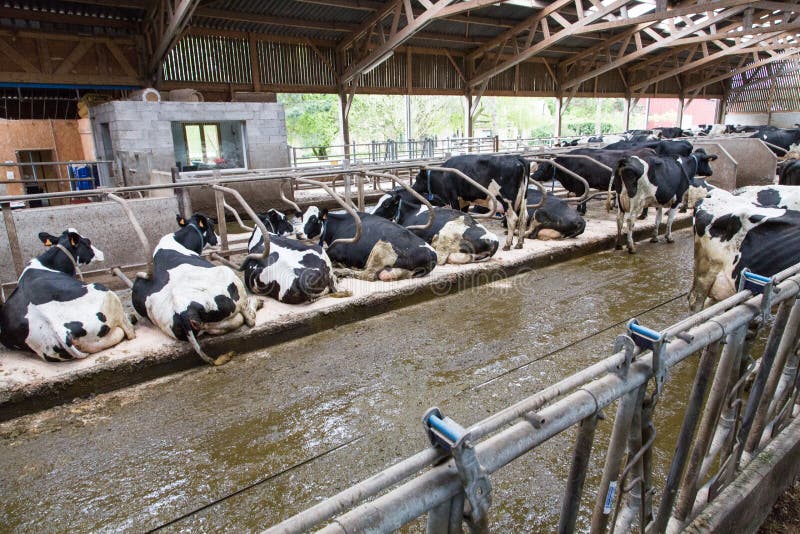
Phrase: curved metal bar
x=582 y=156
x=489 y=196
x=416 y=195
x=776 y=147
x=236 y=216
x=291 y=203
x=569 y=172
x=259 y=223
x=542 y=189
x=137 y=228
x=344 y=204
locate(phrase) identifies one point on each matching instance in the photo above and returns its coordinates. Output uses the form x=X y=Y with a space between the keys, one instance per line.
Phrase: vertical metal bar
x=360 y=185
x=786 y=352
x=755 y=399
x=690 y=418
x=611 y=469
x=628 y=508
x=219 y=200
x=447 y=517
x=775 y=372
x=648 y=436
x=11 y=232
x=577 y=474
x=711 y=413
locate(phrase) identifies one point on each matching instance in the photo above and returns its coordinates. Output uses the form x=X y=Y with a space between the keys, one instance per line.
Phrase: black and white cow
x=789 y=172
x=503 y=176
x=293 y=272
x=455 y=236
x=663 y=147
x=553 y=220
x=731 y=233
x=771 y=196
x=596 y=176
x=277 y=223
x=56 y=316
x=187 y=294
x=669 y=132
x=386 y=251
x=644 y=181
x=787 y=139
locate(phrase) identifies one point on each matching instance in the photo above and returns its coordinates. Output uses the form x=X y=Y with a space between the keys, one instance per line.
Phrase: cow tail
x=610 y=187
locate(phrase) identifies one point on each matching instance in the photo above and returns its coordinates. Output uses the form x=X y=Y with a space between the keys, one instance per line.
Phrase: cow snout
x=98 y=255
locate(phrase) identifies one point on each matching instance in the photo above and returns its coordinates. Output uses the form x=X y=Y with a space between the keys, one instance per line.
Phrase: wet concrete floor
x=310 y=417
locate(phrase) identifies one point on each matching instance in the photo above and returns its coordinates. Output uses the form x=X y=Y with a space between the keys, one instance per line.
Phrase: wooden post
x=345 y=125
x=255 y=66
x=682 y=103
x=470 y=125
x=557 y=129
x=11 y=231
x=627 y=113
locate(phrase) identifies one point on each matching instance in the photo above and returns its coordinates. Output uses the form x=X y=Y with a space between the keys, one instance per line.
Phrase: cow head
x=702 y=159
x=79 y=247
x=387 y=206
x=277 y=223
x=314 y=223
x=203 y=227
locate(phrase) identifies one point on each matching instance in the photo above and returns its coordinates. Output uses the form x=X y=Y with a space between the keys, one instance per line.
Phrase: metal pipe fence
x=737 y=404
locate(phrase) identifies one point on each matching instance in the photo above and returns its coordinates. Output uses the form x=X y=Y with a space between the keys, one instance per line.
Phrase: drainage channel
x=252 y=442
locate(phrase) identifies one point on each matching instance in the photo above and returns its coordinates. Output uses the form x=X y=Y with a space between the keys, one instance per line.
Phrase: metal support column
x=577 y=474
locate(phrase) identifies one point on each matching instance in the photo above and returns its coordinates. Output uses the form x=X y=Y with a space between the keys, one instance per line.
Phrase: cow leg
x=620 y=221
x=670 y=219
x=654 y=239
x=116 y=335
x=358 y=274
x=249 y=310
x=631 y=222
x=533 y=228
x=522 y=206
x=225 y=326
x=511 y=217
x=390 y=274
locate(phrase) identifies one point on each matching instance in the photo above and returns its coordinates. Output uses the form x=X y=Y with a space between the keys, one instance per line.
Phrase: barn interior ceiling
x=563 y=48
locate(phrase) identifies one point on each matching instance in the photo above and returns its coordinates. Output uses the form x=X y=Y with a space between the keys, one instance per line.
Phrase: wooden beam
x=17 y=58
x=787 y=54
x=172 y=17
x=72 y=59
x=18 y=13
x=255 y=18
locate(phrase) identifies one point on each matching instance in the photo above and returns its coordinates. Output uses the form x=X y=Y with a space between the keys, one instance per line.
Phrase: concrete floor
x=308 y=417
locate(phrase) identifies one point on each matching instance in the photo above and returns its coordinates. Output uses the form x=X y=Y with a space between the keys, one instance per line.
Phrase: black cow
x=554 y=219
x=643 y=181
x=293 y=272
x=455 y=235
x=669 y=132
x=386 y=251
x=597 y=176
x=789 y=172
x=504 y=176
x=56 y=316
x=186 y=295
x=787 y=139
x=662 y=147
x=731 y=233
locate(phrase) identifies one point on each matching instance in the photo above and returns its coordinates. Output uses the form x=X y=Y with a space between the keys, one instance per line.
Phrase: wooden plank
x=17 y=58
x=72 y=59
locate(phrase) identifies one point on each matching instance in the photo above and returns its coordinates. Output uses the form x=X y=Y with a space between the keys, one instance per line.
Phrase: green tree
x=377 y=118
x=311 y=120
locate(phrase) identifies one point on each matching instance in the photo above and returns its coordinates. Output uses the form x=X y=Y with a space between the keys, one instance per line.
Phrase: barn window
x=208 y=145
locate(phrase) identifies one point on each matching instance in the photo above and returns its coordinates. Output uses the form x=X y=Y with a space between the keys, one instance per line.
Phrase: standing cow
x=731 y=233
x=505 y=177
x=386 y=251
x=455 y=235
x=187 y=295
x=644 y=181
x=56 y=316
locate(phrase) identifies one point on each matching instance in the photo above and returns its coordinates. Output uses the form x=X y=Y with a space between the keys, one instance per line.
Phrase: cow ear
x=74 y=238
x=47 y=239
x=324 y=214
x=181 y=220
x=201 y=222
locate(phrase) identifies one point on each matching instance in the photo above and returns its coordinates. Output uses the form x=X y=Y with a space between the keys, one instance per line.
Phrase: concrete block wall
x=105 y=223
x=146 y=127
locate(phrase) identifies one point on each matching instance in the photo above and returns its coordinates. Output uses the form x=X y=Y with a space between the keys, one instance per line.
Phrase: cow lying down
x=771 y=196
x=56 y=316
x=386 y=251
x=455 y=236
x=731 y=233
x=187 y=295
x=293 y=272
x=554 y=220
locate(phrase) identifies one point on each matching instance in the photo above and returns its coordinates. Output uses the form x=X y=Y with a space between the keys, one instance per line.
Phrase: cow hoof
x=670 y=240
x=506 y=247
x=518 y=246
x=617 y=247
x=654 y=240
x=631 y=251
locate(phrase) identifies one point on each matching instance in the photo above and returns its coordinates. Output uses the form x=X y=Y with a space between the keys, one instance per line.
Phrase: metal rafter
x=660 y=40
x=163 y=26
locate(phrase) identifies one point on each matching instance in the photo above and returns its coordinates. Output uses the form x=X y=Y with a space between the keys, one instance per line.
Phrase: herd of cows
x=407 y=234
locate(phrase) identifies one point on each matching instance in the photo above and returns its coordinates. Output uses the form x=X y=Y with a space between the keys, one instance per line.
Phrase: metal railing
x=449 y=482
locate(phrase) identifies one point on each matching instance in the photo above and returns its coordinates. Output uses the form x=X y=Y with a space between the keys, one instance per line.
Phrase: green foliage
x=311 y=119
x=377 y=118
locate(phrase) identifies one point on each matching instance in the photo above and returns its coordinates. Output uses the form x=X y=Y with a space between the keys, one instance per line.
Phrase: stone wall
x=145 y=127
